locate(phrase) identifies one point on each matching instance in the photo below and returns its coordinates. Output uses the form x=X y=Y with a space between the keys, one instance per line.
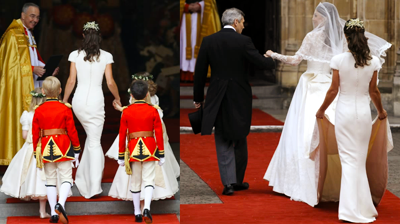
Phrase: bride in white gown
x=90 y=64
x=290 y=171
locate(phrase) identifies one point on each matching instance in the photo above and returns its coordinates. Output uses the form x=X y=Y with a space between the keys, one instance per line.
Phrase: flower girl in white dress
x=170 y=169
x=22 y=179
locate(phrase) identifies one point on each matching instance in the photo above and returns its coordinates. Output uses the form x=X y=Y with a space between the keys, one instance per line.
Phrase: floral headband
x=35 y=94
x=91 y=25
x=355 y=22
x=141 y=77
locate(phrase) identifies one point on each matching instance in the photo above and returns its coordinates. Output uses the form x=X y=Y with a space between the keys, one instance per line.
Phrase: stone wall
x=381 y=17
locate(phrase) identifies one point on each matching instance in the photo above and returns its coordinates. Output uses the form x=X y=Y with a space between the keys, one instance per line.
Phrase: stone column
x=396 y=87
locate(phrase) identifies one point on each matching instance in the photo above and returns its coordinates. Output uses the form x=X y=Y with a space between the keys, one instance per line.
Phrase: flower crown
x=35 y=94
x=91 y=25
x=355 y=22
x=142 y=77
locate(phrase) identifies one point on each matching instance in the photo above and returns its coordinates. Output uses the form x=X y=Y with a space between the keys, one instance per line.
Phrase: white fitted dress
x=88 y=106
x=353 y=131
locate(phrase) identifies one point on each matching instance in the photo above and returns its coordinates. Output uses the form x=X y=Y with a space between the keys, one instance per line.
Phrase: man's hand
x=268 y=53
x=197 y=105
x=39 y=70
x=194 y=7
x=56 y=71
x=121 y=162
x=161 y=162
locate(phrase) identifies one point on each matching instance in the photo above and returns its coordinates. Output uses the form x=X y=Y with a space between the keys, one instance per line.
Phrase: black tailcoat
x=229 y=95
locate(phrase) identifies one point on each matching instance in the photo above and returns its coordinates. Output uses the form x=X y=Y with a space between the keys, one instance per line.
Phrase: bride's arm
x=330 y=95
x=291 y=60
x=376 y=96
x=112 y=86
x=70 y=82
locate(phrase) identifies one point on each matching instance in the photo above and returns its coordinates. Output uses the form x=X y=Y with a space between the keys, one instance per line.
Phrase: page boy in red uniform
x=141 y=125
x=56 y=142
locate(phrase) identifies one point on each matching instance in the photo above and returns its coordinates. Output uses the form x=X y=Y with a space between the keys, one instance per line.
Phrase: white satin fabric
x=88 y=106
x=290 y=171
x=353 y=131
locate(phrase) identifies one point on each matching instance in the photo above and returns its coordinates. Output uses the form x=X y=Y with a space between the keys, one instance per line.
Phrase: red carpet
x=259 y=204
x=259 y=117
x=75 y=199
x=96 y=219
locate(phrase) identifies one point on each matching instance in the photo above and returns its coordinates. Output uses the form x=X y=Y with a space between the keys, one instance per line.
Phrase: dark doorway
x=261 y=24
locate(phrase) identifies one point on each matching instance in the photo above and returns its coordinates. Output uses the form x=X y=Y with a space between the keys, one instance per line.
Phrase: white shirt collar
x=229 y=26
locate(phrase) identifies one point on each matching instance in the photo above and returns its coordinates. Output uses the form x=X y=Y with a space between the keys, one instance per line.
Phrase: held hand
x=121 y=162
x=161 y=162
x=197 y=105
x=194 y=7
x=39 y=70
x=76 y=160
x=116 y=106
x=56 y=71
x=320 y=114
x=383 y=115
x=268 y=53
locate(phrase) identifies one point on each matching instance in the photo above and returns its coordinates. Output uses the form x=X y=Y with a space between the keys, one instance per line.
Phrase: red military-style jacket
x=50 y=116
x=142 y=122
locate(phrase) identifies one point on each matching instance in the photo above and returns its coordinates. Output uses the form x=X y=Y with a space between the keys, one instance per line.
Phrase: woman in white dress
x=356 y=74
x=170 y=170
x=22 y=179
x=89 y=64
x=290 y=171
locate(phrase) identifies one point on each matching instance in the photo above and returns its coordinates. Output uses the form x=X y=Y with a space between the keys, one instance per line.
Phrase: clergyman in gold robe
x=20 y=65
x=199 y=18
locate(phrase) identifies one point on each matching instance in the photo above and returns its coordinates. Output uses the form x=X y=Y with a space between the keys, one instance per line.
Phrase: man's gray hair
x=27 y=5
x=229 y=16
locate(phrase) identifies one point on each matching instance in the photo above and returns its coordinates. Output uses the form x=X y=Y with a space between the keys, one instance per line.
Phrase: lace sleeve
x=291 y=60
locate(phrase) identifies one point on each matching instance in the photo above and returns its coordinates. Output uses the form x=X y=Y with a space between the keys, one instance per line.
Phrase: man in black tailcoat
x=228 y=104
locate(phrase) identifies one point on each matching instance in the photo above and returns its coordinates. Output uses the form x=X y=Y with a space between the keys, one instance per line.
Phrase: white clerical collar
x=229 y=26
x=26 y=28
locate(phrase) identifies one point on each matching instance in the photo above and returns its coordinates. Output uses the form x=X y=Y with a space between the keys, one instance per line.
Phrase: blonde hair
x=51 y=86
x=36 y=100
x=152 y=85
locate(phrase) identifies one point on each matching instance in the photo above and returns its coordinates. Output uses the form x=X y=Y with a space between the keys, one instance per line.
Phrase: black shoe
x=240 y=187
x=54 y=219
x=138 y=218
x=228 y=190
x=61 y=212
x=147 y=216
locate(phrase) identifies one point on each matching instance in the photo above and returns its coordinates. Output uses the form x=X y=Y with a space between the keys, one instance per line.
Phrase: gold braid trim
x=202 y=28
x=188 y=17
x=39 y=158
x=182 y=6
x=127 y=164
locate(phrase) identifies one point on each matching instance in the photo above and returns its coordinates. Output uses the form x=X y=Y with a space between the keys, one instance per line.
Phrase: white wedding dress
x=88 y=106
x=120 y=188
x=290 y=171
x=353 y=131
